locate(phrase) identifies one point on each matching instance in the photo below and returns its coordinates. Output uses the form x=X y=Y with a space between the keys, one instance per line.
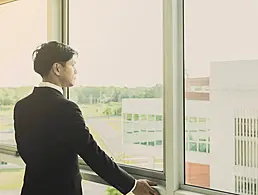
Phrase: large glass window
x=99 y=189
x=120 y=76
x=221 y=93
x=23 y=28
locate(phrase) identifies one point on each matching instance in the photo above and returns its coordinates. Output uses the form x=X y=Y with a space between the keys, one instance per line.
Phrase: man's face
x=68 y=73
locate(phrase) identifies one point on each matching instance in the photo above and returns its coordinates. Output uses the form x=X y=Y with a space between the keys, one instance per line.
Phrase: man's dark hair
x=49 y=53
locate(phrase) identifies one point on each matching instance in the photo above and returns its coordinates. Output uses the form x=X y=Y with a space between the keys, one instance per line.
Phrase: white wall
x=233 y=86
x=143 y=106
x=153 y=106
x=199 y=109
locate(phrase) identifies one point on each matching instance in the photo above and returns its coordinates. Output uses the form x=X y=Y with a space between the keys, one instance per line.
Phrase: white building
x=142 y=125
x=221 y=127
x=234 y=126
x=143 y=121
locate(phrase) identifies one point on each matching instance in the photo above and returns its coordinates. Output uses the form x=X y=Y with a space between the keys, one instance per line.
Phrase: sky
x=219 y=30
x=120 y=42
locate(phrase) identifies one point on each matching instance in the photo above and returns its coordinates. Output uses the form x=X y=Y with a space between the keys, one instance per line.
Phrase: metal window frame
x=174 y=171
x=6 y=1
x=137 y=172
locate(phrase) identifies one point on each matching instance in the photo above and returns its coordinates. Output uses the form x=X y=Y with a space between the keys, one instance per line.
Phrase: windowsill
x=184 y=192
x=192 y=190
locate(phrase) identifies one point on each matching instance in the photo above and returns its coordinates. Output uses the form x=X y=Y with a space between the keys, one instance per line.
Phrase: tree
x=148 y=93
x=108 y=111
x=118 y=111
x=116 y=96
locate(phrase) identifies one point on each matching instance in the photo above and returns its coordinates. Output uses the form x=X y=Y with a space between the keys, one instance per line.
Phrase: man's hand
x=143 y=187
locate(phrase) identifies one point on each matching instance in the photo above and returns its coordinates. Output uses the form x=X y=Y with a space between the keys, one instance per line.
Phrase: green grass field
x=11 y=179
x=89 y=110
x=96 y=110
x=92 y=110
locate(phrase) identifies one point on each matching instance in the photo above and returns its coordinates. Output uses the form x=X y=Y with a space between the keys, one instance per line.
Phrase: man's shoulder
x=68 y=104
x=68 y=108
x=22 y=101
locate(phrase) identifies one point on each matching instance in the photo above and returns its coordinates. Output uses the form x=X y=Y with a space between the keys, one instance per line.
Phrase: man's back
x=50 y=132
x=51 y=165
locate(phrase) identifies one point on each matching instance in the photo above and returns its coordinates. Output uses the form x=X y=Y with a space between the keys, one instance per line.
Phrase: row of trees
x=91 y=95
x=87 y=95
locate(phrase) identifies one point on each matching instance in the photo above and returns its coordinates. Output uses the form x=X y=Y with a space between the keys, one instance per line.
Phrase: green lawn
x=11 y=179
x=6 y=112
x=91 y=110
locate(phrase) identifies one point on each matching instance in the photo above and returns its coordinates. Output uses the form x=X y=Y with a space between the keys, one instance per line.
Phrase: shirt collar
x=51 y=85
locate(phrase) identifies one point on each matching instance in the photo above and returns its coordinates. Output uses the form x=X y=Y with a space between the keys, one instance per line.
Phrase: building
x=142 y=121
x=142 y=124
x=221 y=127
x=197 y=139
x=199 y=84
x=234 y=126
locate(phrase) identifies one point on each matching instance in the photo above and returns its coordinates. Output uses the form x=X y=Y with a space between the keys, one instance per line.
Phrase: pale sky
x=120 y=41
x=219 y=30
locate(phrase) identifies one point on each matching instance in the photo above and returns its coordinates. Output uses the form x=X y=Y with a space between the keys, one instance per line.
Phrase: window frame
x=173 y=177
x=158 y=176
x=6 y=1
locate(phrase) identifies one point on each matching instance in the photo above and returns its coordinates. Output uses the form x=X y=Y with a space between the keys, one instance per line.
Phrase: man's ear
x=56 y=68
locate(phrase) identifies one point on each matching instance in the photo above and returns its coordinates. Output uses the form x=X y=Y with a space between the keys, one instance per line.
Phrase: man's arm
x=76 y=134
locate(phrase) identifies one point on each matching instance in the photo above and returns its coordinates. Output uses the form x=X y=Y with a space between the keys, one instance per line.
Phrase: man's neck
x=46 y=80
x=51 y=85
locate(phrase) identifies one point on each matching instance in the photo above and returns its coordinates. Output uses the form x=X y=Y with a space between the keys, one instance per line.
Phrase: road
x=114 y=140
x=111 y=137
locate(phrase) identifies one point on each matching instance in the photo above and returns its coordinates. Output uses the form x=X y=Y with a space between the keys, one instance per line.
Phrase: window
x=193 y=146
x=136 y=117
x=115 y=42
x=23 y=28
x=192 y=119
x=143 y=117
x=129 y=117
x=221 y=65
x=245 y=185
x=159 y=117
x=246 y=152
x=18 y=77
x=151 y=117
x=99 y=189
x=246 y=126
x=11 y=177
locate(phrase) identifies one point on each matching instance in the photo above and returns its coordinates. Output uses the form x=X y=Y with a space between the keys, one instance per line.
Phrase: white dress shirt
x=135 y=182
x=51 y=85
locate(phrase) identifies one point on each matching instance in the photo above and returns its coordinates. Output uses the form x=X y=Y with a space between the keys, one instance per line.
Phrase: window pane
x=17 y=45
x=193 y=146
x=221 y=92
x=120 y=67
x=11 y=178
x=159 y=117
x=136 y=117
x=24 y=27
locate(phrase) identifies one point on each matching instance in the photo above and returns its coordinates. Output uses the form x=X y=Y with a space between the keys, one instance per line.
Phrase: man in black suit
x=50 y=132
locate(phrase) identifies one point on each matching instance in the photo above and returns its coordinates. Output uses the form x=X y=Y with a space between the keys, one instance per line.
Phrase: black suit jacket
x=50 y=131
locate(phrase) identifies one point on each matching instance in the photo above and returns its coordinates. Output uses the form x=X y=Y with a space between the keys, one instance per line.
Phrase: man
x=50 y=132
